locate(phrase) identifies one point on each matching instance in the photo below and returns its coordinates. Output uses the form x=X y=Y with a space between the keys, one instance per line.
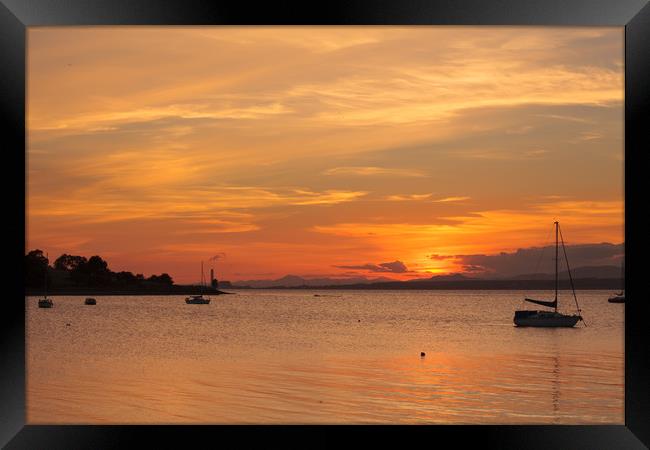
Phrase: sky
x=403 y=152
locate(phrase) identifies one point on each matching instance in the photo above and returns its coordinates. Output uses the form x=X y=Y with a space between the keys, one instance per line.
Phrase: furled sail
x=552 y=304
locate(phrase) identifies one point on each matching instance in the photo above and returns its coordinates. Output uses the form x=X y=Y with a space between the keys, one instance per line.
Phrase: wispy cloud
x=452 y=199
x=408 y=197
x=202 y=205
x=437 y=257
x=370 y=170
x=328 y=197
x=389 y=267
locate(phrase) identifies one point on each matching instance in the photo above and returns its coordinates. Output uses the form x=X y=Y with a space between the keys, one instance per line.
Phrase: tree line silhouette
x=79 y=271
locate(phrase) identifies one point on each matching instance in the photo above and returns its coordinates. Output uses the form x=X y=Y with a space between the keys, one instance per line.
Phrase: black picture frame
x=634 y=15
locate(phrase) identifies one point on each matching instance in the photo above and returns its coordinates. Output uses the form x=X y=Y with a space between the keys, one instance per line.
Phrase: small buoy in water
x=359 y=320
x=67 y=324
x=422 y=354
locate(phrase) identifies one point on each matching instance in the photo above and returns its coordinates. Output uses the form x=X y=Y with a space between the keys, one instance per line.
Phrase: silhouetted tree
x=93 y=272
x=161 y=279
x=126 y=278
x=165 y=279
x=97 y=270
x=79 y=274
x=69 y=262
x=36 y=265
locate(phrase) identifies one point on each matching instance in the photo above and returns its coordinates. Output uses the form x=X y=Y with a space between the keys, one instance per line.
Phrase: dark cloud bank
x=540 y=259
x=530 y=260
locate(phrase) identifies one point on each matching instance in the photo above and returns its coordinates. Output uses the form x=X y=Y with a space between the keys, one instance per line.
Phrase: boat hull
x=197 y=301
x=45 y=303
x=90 y=301
x=617 y=299
x=545 y=319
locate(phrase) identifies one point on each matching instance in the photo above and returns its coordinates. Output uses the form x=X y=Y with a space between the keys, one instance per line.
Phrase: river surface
x=321 y=356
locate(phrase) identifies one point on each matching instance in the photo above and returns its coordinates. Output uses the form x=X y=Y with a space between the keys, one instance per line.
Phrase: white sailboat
x=198 y=299
x=45 y=302
x=551 y=319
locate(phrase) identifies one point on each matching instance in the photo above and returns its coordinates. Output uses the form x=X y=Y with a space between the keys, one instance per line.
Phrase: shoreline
x=71 y=293
x=64 y=292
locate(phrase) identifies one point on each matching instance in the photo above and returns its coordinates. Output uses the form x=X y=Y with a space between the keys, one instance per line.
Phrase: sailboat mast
x=556 y=259
x=568 y=268
x=47 y=257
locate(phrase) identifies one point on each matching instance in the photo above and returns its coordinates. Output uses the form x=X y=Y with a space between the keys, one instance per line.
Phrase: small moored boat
x=45 y=302
x=90 y=301
x=618 y=298
x=198 y=299
x=551 y=319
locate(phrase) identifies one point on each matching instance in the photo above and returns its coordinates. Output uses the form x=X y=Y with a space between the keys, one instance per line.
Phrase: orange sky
x=296 y=150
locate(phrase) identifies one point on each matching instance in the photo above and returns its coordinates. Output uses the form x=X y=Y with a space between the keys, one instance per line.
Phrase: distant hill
x=451 y=277
x=588 y=277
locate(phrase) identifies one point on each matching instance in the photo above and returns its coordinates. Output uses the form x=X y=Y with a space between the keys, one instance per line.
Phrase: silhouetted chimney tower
x=214 y=283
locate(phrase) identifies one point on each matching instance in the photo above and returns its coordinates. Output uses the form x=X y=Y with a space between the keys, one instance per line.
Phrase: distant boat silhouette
x=90 y=301
x=198 y=299
x=45 y=302
x=551 y=319
x=620 y=297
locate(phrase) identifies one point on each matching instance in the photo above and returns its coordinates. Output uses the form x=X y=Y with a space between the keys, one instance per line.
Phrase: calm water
x=342 y=357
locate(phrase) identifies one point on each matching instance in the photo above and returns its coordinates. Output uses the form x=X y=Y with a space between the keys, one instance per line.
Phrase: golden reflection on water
x=439 y=388
x=135 y=373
